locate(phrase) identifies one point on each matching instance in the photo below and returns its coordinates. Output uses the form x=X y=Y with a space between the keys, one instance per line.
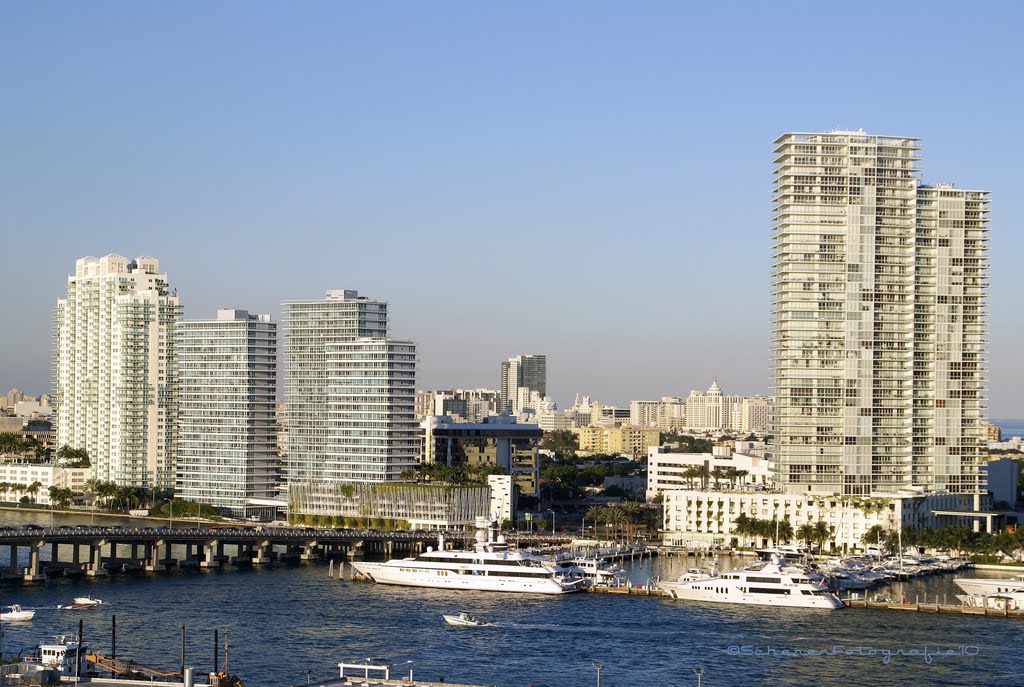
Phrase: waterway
x=284 y=620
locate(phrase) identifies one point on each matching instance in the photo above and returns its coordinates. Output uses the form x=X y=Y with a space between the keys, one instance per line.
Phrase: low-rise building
x=670 y=470
x=706 y=518
x=19 y=476
x=625 y=439
x=499 y=440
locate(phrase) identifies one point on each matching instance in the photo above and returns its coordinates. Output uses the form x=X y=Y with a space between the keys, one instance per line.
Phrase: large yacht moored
x=490 y=566
x=772 y=585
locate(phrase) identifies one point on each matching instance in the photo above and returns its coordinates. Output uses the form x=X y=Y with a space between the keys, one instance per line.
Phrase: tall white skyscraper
x=879 y=288
x=522 y=372
x=345 y=389
x=114 y=369
x=227 y=448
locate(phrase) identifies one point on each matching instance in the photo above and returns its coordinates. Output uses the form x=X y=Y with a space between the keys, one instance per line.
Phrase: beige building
x=625 y=439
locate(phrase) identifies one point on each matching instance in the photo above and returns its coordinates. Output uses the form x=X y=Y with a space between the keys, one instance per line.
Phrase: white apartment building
x=114 y=369
x=15 y=473
x=227 y=445
x=310 y=328
x=707 y=518
x=667 y=414
x=879 y=288
x=371 y=389
x=666 y=471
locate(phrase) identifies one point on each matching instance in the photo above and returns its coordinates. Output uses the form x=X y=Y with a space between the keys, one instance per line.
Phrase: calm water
x=282 y=621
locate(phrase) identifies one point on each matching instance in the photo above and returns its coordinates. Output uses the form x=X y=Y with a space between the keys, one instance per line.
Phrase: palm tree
x=33 y=489
x=873 y=535
x=822 y=533
x=806 y=533
x=596 y=515
x=719 y=473
x=632 y=511
x=704 y=473
x=690 y=473
x=10 y=442
x=783 y=531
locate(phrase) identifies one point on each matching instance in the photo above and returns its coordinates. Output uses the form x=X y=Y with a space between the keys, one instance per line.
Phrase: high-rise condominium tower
x=879 y=293
x=227 y=448
x=350 y=392
x=114 y=369
x=523 y=371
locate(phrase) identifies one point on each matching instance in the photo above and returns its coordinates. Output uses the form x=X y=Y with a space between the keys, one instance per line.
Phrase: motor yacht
x=772 y=585
x=489 y=566
x=987 y=586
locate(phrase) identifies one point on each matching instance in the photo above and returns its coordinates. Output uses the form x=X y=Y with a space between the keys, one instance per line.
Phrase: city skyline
x=609 y=164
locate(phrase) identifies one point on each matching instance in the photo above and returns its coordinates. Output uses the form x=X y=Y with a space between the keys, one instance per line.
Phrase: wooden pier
x=933 y=608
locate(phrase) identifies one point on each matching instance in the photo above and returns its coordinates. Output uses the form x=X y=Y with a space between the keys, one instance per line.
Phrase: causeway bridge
x=98 y=551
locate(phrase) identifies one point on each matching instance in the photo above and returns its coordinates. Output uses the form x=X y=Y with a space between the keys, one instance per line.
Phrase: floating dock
x=933 y=608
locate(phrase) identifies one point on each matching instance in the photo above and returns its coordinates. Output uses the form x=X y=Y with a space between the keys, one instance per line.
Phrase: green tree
x=33 y=489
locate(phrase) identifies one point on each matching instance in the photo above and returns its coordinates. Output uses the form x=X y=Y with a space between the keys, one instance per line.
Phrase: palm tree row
x=777 y=531
x=24 y=445
x=616 y=518
x=114 y=497
x=718 y=474
x=955 y=538
x=24 y=489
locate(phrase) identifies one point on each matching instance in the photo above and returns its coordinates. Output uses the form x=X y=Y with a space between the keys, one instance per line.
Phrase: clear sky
x=587 y=180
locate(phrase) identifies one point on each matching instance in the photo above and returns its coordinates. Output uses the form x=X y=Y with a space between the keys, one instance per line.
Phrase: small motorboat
x=81 y=603
x=87 y=601
x=463 y=619
x=16 y=614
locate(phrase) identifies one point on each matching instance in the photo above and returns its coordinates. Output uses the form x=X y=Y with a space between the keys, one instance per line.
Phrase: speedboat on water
x=87 y=601
x=772 y=585
x=16 y=614
x=489 y=566
x=463 y=619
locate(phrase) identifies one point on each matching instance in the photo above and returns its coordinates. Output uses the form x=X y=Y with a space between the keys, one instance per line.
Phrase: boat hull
x=407 y=576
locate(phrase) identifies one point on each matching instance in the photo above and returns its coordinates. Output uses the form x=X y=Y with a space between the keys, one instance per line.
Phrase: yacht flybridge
x=490 y=566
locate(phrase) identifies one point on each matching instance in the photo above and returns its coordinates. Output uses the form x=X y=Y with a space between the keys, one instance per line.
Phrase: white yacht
x=981 y=586
x=490 y=566
x=770 y=586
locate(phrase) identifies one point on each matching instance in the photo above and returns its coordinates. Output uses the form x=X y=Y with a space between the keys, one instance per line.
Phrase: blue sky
x=583 y=179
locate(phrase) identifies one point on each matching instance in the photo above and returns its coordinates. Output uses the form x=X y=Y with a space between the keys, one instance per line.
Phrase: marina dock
x=933 y=608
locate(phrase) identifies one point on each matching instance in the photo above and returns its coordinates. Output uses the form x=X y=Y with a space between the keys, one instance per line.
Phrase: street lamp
x=699 y=672
x=598 y=665
x=552 y=520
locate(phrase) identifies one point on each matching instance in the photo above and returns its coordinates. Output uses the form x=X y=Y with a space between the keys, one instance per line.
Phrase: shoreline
x=99 y=514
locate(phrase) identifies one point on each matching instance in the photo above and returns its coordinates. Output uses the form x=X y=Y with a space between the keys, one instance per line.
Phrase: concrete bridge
x=96 y=551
